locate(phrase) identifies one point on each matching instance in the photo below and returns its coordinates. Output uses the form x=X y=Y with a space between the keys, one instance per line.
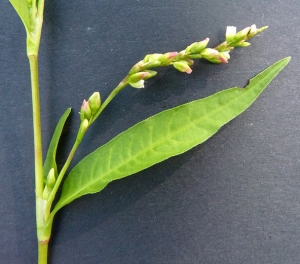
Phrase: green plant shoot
x=151 y=141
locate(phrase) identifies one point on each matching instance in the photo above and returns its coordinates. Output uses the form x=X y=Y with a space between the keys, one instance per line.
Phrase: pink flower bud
x=137 y=80
x=94 y=102
x=152 y=57
x=152 y=64
x=150 y=74
x=195 y=56
x=189 y=62
x=215 y=56
x=241 y=35
x=137 y=67
x=224 y=56
x=182 y=66
x=197 y=47
x=209 y=54
x=85 y=111
x=138 y=76
x=172 y=55
x=242 y=44
x=168 y=57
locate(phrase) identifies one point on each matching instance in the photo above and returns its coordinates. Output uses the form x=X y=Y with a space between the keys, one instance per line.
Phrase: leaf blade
x=22 y=9
x=50 y=161
x=161 y=136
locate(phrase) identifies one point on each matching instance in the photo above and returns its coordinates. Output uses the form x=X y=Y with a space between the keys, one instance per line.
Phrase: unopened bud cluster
x=140 y=71
x=183 y=60
x=88 y=109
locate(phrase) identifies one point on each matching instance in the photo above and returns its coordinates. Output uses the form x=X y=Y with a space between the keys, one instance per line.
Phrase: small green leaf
x=50 y=161
x=31 y=14
x=22 y=8
x=162 y=136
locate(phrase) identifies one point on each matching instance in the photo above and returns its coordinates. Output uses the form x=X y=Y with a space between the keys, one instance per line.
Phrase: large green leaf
x=22 y=8
x=50 y=161
x=161 y=136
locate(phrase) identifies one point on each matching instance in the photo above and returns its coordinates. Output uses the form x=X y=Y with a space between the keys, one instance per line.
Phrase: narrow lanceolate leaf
x=22 y=8
x=50 y=161
x=162 y=136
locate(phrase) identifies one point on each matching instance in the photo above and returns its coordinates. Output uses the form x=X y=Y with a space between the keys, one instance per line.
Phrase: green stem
x=42 y=253
x=113 y=93
x=38 y=159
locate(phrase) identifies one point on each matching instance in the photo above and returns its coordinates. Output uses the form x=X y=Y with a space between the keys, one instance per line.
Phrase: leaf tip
x=286 y=60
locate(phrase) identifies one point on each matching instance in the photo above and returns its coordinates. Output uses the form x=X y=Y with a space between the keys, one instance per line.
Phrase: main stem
x=43 y=252
x=38 y=157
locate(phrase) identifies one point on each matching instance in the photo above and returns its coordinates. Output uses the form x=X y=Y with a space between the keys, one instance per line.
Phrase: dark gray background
x=234 y=199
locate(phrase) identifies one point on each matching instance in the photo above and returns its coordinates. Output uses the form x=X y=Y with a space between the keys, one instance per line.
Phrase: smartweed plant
x=153 y=140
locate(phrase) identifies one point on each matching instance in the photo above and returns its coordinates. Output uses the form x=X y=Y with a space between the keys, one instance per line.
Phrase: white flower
x=230 y=32
x=139 y=84
x=253 y=31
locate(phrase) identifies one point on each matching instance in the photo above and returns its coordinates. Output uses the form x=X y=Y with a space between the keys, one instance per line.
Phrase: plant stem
x=113 y=93
x=43 y=253
x=38 y=158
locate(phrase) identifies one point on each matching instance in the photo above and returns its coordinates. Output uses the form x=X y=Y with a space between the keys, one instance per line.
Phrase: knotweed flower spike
x=183 y=60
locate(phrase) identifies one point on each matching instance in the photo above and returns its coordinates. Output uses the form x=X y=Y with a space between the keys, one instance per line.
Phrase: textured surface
x=235 y=199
